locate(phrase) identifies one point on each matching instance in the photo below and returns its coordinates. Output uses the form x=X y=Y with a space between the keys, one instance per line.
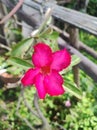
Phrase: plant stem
x=45 y=124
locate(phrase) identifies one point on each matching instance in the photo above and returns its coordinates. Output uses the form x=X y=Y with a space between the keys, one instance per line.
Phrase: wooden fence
x=76 y=19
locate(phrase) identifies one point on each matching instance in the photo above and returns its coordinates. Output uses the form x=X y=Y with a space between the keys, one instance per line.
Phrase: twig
x=26 y=104
x=22 y=15
x=5 y=47
x=64 y=33
x=17 y=113
x=21 y=24
x=45 y=125
x=13 y=11
x=11 y=86
x=18 y=104
x=1 y=36
x=26 y=121
x=58 y=125
x=46 y=18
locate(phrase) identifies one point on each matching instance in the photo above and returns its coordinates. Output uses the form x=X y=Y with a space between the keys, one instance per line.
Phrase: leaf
x=46 y=32
x=16 y=31
x=20 y=48
x=73 y=89
x=20 y=62
x=75 y=60
x=51 y=39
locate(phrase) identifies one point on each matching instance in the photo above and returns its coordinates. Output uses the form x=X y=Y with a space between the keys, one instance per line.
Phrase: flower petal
x=42 y=55
x=53 y=84
x=29 y=76
x=61 y=60
x=39 y=83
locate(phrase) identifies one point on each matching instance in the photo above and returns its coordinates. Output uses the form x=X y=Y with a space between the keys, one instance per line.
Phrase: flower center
x=45 y=69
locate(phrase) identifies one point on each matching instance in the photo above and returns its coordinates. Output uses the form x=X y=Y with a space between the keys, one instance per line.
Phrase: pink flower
x=68 y=103
x=45 y=75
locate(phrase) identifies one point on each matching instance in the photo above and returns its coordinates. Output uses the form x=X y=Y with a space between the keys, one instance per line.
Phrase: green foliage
x=72 y=88
x=91 y=42
x=75 y=60
x=50 y=37
x=20 y=48
x=20 y=62
x=8 y=110
x=89 y=39
x=92 y=7
x=81 y=115
x=71 y=4
x=69 y=84
x=3 y=64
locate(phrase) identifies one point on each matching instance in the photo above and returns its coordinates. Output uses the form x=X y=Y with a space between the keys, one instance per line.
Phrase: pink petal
x=39 y=83
x=53 y=84
x=61 y=60
x=42 y=55
x=29 y=76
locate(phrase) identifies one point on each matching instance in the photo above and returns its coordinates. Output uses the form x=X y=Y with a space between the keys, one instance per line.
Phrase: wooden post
x=2 y=35
x=74 y=36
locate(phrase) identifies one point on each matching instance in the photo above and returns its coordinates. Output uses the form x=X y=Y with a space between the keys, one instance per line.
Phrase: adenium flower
x=45 y=74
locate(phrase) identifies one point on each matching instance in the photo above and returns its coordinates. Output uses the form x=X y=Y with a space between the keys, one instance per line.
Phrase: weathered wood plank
x=75 y=18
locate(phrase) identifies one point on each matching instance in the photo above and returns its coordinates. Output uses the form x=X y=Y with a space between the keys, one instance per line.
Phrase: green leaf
x=20 y=62
x=51 y=39
x=73 y=89
x=16 y=31
x=75 y=60
x=46 y=32
x=20 y=48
